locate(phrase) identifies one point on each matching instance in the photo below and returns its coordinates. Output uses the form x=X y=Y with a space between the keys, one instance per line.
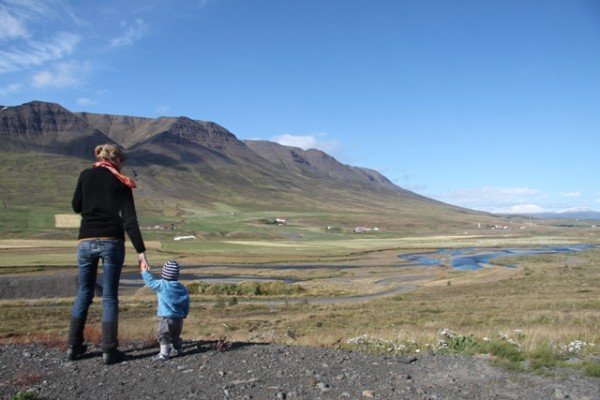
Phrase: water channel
x=477 y=258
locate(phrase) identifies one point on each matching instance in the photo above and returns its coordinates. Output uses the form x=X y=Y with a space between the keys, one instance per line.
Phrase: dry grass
x=551 y=299
x=67 y=220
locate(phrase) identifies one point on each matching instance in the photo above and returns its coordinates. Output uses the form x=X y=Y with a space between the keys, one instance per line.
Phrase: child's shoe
x=175 y=352
x=160 y=357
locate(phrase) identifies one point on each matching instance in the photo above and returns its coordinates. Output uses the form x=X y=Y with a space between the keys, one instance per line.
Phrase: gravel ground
x=255 y=371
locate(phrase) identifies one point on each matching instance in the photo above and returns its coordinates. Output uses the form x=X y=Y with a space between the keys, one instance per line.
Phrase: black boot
x=110 y=342
x=113 y=356
x=76 y=346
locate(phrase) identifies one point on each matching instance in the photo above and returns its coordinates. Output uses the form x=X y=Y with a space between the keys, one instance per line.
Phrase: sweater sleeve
x=186 y=306
x=77 y=203
x=149 y=280
x=130 y=222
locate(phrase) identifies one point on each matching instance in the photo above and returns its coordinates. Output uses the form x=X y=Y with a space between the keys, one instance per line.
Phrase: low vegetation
x=269 y=288
x=546 y=305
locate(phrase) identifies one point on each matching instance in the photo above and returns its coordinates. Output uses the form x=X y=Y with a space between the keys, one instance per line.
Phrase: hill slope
x=181 y=162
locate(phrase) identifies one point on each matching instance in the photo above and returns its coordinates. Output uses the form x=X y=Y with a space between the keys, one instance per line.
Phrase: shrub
x=26 y=396
x=268 y=288
x=543 y=356
x=219 y=304
x=503 y=349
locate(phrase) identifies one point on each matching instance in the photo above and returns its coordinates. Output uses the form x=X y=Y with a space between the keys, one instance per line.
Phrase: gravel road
x=255 y=371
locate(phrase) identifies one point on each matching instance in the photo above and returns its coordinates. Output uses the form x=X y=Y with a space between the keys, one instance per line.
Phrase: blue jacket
x=173 y=297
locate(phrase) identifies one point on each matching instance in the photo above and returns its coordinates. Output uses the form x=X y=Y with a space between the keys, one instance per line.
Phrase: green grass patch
x=591 y=368
x=543 y=356
x=23 y=395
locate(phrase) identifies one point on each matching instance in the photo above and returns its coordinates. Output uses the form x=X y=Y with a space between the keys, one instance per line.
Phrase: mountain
x=314 y=163
x=180 y=162
x=40 y=126
x=571 y=213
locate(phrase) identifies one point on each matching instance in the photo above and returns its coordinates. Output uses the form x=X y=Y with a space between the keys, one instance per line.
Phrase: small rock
x=281 y=395
x=367 y=393
x=406 y=359
x=323 y=386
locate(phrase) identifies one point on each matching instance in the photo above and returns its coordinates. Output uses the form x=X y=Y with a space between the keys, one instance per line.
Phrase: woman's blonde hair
x=110 y=152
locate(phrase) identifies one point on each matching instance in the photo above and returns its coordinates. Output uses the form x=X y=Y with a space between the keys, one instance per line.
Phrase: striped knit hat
x=170 y=271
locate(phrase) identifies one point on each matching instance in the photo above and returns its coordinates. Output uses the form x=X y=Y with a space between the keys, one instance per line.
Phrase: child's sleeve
x=150 y=281
x=186 y=307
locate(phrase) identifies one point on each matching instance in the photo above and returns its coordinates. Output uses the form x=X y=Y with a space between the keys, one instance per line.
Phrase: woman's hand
x=143 y=262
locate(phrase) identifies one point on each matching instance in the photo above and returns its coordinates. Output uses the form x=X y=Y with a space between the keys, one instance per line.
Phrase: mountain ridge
x=181 y=162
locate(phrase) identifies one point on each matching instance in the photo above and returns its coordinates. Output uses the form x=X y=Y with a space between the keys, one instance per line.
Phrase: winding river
x=59 y=285
x=477 y=258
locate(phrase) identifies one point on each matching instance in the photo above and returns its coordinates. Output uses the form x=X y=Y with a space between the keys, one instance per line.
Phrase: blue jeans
x=89 y=252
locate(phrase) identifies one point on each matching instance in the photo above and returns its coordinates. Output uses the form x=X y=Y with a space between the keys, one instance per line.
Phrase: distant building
x=281 y=221
x=184 y=238
x=363 y=229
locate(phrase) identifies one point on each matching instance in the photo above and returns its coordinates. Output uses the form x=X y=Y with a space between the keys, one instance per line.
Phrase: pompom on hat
x=170 y=271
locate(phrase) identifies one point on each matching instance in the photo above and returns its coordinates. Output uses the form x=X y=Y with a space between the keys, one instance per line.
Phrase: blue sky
x=491 y=105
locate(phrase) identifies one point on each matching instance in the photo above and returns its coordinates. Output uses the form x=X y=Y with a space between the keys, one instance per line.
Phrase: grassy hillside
x=224 y=204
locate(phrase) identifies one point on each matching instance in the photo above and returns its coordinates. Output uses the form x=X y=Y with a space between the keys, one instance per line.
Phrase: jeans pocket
x=113 y=253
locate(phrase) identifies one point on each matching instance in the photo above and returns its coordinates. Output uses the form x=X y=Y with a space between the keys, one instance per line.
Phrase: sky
x=491 y=105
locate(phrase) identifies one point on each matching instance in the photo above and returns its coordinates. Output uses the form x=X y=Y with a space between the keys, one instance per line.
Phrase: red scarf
x=115 y=170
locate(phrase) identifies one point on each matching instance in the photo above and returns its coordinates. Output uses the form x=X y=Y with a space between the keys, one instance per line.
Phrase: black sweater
x=106 y=206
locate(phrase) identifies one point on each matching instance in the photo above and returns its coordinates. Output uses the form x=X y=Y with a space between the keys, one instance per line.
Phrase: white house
x=184 y=237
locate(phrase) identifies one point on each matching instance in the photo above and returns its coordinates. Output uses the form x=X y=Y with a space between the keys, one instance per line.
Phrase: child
x=173 y=307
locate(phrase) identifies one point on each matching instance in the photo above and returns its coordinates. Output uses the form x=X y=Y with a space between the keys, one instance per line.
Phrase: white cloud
x=570 y=194
x=20 y=22
x=308 y=142
x=131 y=35
x=11 y=27
x=85 y=101
x=574 y=209
x=523 y=209
x=204 y=3
x=10 y=89
x=34 y=53
x=63 y=74
x=493 y=199
x=162 y=109
x=495 y=194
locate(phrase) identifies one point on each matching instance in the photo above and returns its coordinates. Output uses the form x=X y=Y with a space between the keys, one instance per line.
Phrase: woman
x=104 y=198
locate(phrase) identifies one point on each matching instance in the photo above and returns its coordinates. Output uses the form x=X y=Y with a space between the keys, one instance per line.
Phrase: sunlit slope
x=180 y=163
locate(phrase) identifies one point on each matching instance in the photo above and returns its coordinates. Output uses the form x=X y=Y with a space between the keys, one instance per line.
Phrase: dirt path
x=255 y=371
